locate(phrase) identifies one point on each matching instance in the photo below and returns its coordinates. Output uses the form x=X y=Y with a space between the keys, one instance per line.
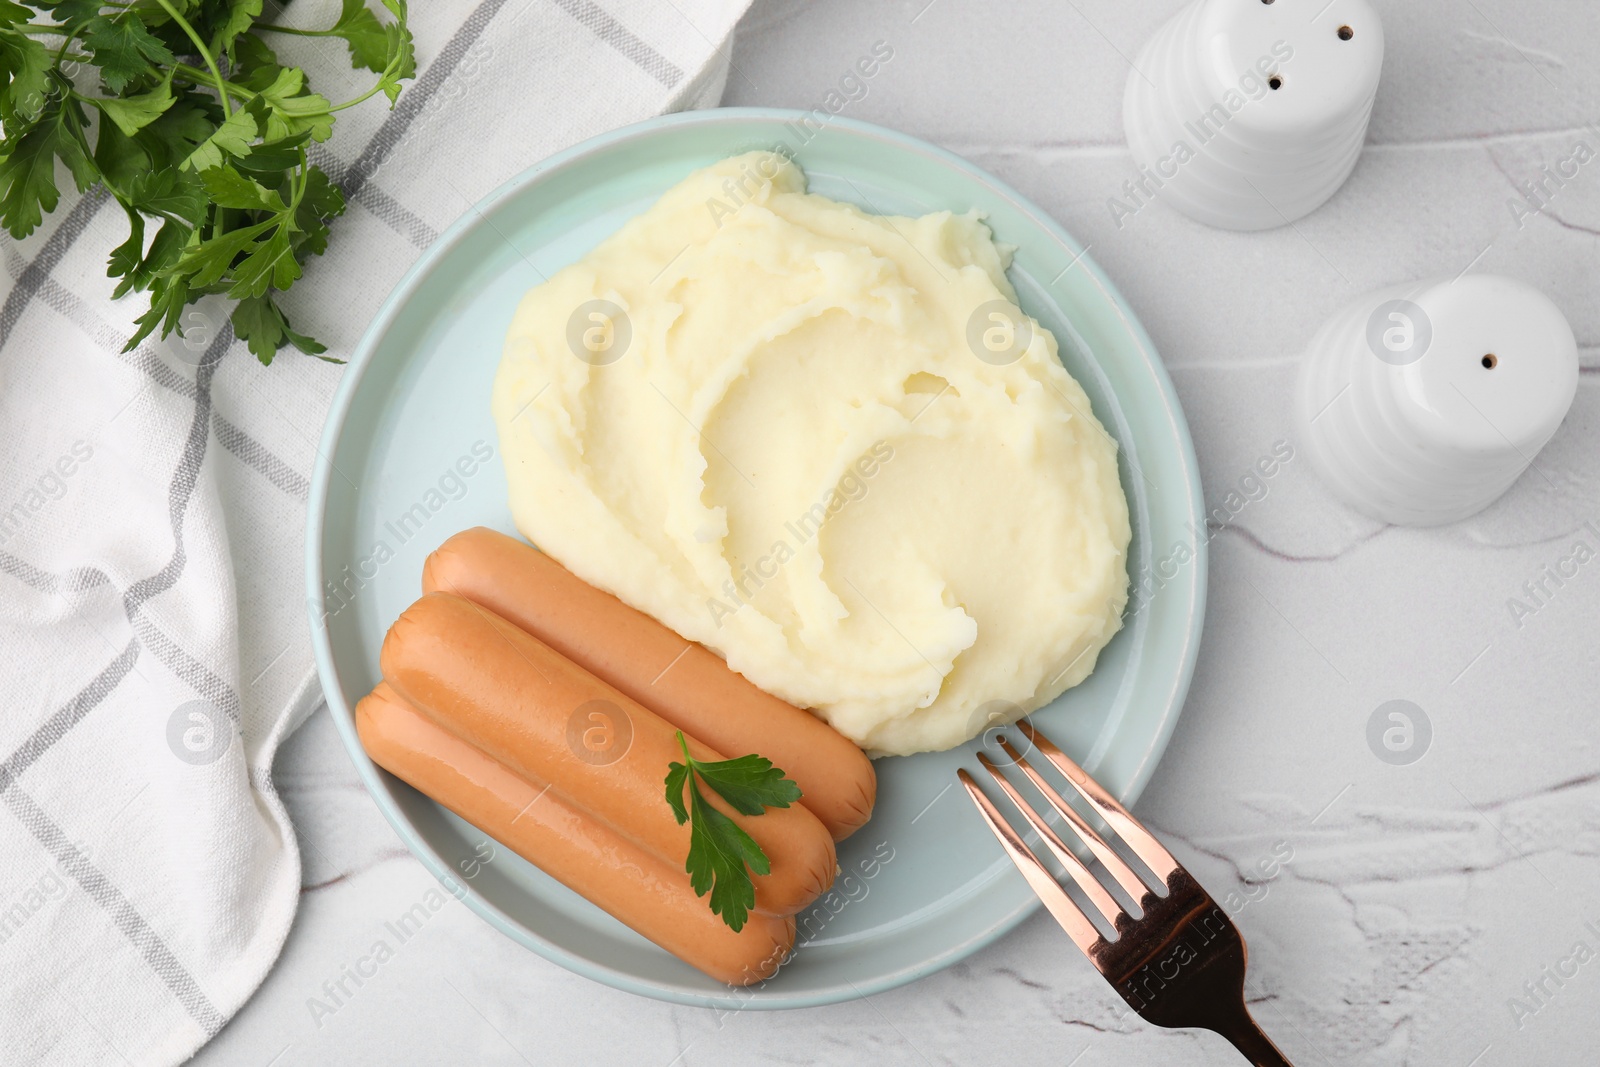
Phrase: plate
x=410 y=456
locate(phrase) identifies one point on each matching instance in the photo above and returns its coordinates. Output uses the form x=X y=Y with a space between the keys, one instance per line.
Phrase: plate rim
x=361 y=360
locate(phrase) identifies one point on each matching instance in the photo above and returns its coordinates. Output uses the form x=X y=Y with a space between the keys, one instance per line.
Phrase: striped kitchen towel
x=156 y=646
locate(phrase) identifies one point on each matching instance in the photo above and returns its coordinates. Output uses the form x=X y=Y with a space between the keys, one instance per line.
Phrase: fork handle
x=1257 y=1047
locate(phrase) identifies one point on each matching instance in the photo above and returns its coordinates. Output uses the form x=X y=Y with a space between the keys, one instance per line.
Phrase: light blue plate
x=924 y=882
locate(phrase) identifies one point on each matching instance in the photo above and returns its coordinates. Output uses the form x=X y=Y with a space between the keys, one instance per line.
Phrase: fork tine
x=1043 y=883
x=1140 y=840
x=1085 y=878
x=1125 y=875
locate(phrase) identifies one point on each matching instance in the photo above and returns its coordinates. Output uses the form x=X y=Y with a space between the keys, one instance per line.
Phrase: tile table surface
x=1444 y=912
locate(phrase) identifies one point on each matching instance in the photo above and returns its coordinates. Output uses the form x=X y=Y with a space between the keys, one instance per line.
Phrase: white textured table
x=1442 y=912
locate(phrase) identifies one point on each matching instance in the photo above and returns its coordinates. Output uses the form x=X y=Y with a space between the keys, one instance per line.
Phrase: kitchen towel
x=152 y=509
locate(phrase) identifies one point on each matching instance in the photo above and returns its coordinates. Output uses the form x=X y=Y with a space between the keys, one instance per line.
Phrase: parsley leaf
x=721 y=855
x=70 y=13
x=28 y=168
x=750 y=783
x=255 y=66
x=293 y=108
x=134 y=113
x=228 y=188
x=241 y=15
x=138 y=267
x=123 y=49
x=274 y=157
x=169 y=193
x=270 y=264
x=207 y=261
x=120 y=157
x=168 y=297
x=182 y=128
x=402 y=62
x=259 y=322
x=126 y=256
x=320 y=201
x=232 y=138
x=364 y=35
x=24 y=75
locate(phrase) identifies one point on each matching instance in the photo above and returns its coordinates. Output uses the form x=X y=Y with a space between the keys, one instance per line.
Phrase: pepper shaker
x=1422 y=403
x=1249 y=114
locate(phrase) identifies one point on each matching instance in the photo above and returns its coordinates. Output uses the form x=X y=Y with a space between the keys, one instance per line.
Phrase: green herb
x=721 y=855
x=201 y=137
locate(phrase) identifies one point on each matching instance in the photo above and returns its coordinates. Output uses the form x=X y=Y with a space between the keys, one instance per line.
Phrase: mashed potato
x=827 y=445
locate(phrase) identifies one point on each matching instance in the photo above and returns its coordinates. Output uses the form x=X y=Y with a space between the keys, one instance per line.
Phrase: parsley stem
x=73 y=36
x=205 y=54
x=389 y=71
x=297 y=31
x=688 y=763
x=352 y=103
x=302 y=179
x=195 y=74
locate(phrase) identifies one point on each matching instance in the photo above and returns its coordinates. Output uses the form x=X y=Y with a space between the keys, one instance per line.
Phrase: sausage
x=635 y=887
x=499 y=688
x=682 y=682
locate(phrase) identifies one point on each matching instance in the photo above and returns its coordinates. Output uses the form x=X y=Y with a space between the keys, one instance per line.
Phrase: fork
x=1181 y=962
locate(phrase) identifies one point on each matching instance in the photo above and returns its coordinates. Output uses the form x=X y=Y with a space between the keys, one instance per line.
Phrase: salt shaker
x=1248 y=114
x=1420 y=404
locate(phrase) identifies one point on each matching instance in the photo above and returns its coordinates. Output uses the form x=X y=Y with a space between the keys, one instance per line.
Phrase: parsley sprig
x=201 y=136
x=721 y=855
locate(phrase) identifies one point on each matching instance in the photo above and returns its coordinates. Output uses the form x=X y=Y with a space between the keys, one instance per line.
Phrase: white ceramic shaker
x=1421 y=403
x=1248 y=114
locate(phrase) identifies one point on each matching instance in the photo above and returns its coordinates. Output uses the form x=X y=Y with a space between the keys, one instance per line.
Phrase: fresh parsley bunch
x=721 y=854
x=200 y=135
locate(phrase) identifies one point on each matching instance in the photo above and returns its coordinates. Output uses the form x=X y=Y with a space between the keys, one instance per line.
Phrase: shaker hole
x=1275 y=82
x=1490 y=361
x=1266 y=1
x=1345 y=33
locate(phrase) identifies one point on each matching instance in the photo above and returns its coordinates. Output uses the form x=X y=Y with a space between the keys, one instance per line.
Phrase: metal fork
x=1181 y=962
